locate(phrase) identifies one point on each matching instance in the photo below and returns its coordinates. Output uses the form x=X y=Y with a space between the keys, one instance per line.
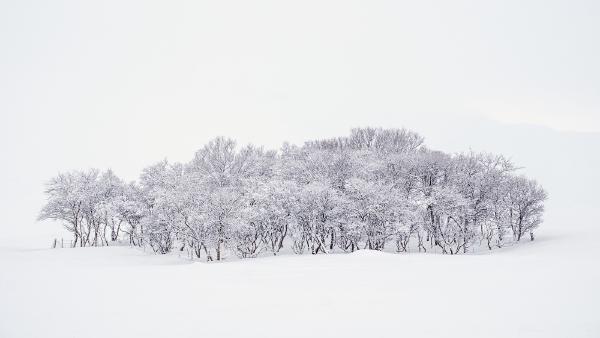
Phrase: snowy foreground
x=548 y=288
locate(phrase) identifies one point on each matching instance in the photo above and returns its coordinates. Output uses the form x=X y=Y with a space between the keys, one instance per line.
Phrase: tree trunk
x=218 y=250
x=332 y=240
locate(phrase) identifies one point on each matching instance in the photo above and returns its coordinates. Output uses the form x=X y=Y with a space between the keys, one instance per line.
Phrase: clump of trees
x=378 y=189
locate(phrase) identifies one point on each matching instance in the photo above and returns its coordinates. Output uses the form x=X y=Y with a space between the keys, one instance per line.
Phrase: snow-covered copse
x=374 y=189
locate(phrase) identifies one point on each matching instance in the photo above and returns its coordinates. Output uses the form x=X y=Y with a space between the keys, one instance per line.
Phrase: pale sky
x=124 y=83
x=516 y=61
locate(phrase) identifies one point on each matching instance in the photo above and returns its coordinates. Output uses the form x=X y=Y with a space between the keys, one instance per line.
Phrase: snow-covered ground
x=548 y=288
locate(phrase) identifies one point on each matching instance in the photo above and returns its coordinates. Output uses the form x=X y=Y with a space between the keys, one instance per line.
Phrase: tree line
x=379 y=189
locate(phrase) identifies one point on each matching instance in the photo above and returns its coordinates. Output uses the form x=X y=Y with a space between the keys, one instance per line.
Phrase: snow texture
x=545 y=288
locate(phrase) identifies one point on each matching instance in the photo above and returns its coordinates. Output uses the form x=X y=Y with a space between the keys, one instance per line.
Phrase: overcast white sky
x=124 y=83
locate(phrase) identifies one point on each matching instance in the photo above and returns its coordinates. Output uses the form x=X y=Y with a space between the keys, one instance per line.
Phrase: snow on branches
x=378 y=189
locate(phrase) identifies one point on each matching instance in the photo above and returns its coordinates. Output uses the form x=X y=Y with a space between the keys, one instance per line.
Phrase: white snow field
x=548 y=288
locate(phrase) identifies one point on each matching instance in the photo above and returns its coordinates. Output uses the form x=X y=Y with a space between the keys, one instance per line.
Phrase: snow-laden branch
x=364 y=191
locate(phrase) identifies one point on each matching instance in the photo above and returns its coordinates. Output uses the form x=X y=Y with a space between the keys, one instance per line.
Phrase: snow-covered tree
x=362 y=191
x=526 y=206
x=65 y=203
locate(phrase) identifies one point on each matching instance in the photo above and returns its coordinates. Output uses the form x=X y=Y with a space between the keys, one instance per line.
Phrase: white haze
x=123 y=84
